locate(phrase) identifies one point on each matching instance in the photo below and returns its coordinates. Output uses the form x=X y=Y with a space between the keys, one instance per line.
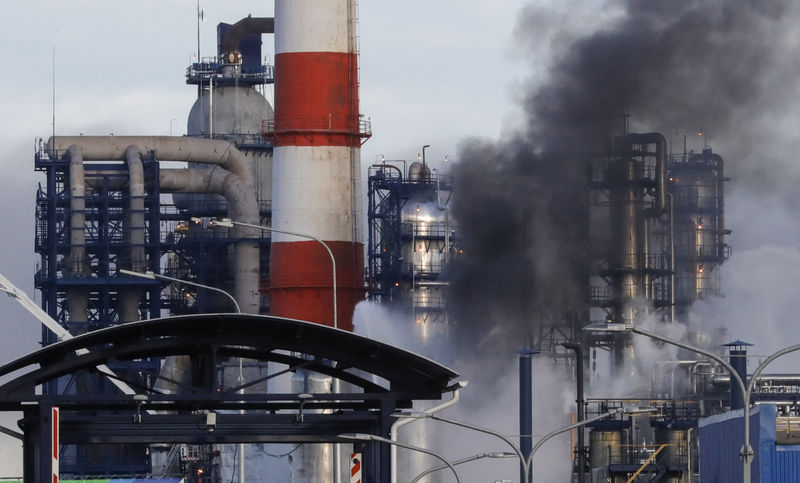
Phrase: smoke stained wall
x=723 y=66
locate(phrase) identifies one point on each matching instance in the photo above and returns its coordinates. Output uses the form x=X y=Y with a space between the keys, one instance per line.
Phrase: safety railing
x=674 y=454
x=424 y=301
x=434 y=229
x=361 y=127
x=210 y=68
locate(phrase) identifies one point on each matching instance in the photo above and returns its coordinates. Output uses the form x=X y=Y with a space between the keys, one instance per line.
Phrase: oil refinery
x=215 y=306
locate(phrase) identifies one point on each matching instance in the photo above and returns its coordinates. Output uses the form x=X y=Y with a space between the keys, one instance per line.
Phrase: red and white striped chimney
x=316 y=170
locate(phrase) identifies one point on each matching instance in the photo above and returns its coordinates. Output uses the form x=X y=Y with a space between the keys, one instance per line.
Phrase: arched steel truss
x=379 y=378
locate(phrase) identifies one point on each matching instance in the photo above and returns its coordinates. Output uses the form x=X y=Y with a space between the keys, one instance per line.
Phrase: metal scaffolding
x=410 y=241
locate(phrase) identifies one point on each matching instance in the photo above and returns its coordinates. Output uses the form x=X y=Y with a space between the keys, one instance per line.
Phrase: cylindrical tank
x=627 y=226
x=627 y=250
x=675 y=454
x=237 y=112
x=316 y=171
x=697 y=184
x=605 y=448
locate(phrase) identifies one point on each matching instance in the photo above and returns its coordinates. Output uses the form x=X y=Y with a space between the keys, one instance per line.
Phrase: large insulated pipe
x=249 y=25
x=76 y=265
x=316 y=174
x=238 y=188
x=135 y=230
x=136 y=215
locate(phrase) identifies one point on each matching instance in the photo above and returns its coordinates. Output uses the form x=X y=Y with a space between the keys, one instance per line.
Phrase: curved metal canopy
x=209 y=338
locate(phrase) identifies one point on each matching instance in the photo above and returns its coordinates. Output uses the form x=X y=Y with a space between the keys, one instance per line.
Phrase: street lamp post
x=372 y=437
x=746 y=452
x=227 y=222
x=463 y=460
x=153 y=276
x=526 y=463
x=748 y=456
x=402 y=422
x=455 y=422
x=60 y=332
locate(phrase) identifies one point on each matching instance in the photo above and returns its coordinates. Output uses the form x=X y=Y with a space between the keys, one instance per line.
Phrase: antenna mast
x=54 y=95
x=199 y=18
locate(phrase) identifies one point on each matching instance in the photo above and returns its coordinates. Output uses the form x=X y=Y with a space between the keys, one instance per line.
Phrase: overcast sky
x=432 y=72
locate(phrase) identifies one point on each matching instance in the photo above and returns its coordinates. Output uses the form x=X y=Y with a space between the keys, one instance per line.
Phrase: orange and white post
x=54 y=420
x=355 y=467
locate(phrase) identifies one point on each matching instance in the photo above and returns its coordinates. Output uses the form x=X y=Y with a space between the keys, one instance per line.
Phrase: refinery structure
x=207 y=284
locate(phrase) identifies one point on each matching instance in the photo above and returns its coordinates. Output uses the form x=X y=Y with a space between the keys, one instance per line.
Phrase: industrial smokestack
x=525 y=408
x=738 y=360
x=316 y=188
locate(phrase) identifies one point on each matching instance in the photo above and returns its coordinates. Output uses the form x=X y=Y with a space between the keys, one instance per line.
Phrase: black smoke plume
x=678 y=66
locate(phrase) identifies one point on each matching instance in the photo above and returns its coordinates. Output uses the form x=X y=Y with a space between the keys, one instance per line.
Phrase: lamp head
x=635 y=410
x=608 y=327
x=356 y=436
x=148 y=274
x=411 y=415
x=501 y=454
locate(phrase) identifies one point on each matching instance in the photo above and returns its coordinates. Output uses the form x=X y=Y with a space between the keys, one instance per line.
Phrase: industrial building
x=773 y=432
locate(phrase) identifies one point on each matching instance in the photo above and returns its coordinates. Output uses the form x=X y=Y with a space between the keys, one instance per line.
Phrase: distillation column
x=631 y=185
x=316 y=171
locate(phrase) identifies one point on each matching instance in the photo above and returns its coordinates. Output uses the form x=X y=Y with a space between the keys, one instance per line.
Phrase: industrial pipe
x=237 y=185
x=135 y=229
x=197 y=150
x=249 y=25
x=222 y=182
x=76 y=266
x=402 y=422
x=578 y=349
x=723 y=380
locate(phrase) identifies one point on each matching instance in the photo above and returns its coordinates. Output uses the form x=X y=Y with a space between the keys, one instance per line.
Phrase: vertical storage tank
x=697 y=183
x=230 y=106
x=628 y=197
